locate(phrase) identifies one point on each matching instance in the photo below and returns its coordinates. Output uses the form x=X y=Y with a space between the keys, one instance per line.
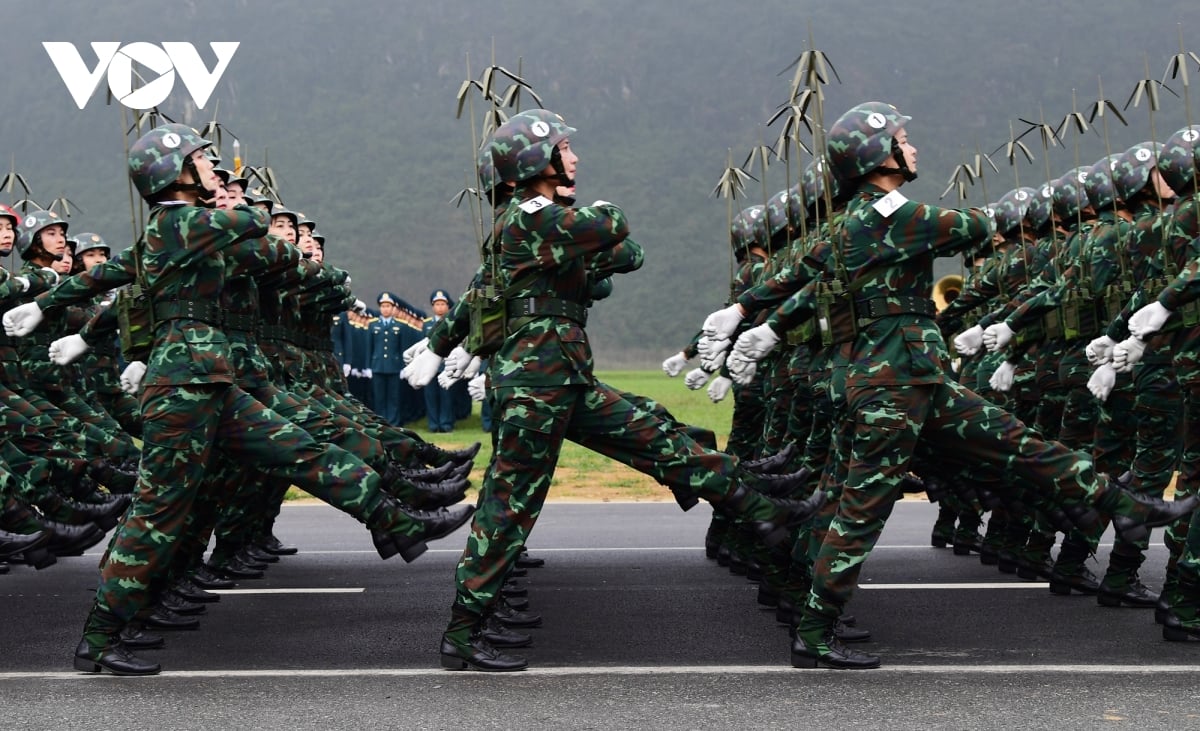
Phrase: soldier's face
x=318 y=255
x=7 y=236
x=92 y=257
x=1163 y=190
x=54 y=240
x=387 y=309
x=63 y=265
x=569 y=159
x=204 y=170
x=306 y=242
x=910 y=152
x=440 y=307
x=283 y=227
x=221 y=199
x=237 y=196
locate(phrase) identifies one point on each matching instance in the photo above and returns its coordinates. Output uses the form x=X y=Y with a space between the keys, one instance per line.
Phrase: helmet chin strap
x=556 y=171
x=902 y=168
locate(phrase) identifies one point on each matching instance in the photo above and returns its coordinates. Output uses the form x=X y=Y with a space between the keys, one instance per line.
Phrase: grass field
x=583 y=474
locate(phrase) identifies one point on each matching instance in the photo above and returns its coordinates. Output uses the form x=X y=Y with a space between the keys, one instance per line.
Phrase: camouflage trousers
x=777 y=401
x=103 y=383
x=1080 y=410
x=962 y=429
x=531 y=424
x=749 y=413
x=183 y=426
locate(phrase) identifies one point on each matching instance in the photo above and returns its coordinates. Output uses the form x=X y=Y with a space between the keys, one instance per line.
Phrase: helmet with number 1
x=864 y=138
x=32 y=225
x=160 y=156
x=749 y=229
x=526 y=144
x=1178 y=157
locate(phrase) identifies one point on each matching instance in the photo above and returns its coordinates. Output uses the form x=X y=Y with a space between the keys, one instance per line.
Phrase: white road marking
x=567 y=671
x=344 y=590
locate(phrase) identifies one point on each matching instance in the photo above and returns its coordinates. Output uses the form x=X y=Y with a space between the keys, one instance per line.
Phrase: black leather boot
x=136 y=638
x=163 y=618
x=391 y=535
x=465 y=647
x=14 y=543
x=101 y=648
x=275 y=547
x=772 y=464
x=1133 y=515
x=830 y=652
x=497 y=634
x=1071 y=572
x=206 y=578
x=434 y=455
x=510 y=617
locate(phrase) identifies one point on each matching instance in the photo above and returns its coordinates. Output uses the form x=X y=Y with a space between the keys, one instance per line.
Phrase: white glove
x=997 y=336
x=1002 y=379
x=695 y=378
x=1099 y=351
x=721 y=324
x=473 y=367
x=445 y=380
x=741 y=368
x=367 y=373
x=65 y=351
x=756 y=342
x=1102 y=381
x=719 y=388
x=1148 y=319
x=23 y=281
x=673 y=366
x=456 y=362
x=22 y=320
x=131 y=377
x=346 y=370
x=709 y=351
x=52 y=273
x=413 y=350
x=477 y=387
x=356 y=373
x=422 y=370
x=1126 y=354
x=969 y=341
x=359 y=306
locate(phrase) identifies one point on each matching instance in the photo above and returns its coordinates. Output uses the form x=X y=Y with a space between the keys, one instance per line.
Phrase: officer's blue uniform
x=439 y=403
x=385 y=359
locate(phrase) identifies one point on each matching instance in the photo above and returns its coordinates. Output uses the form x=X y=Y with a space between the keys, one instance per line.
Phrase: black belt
x=244 y=323
x=877 y=307
x=209 y=312
x=547 y=307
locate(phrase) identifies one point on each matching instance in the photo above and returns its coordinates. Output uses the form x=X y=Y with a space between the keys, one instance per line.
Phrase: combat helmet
x=1132 y=172
x=527 y=144
x=1070 y=194
x=1011 y=209
x=31 y=226
x=748 y=229
x=779 y=213
x=159 y=157
x=1177 y=159
x=864 y=138
x=1041 y=206
x=817 y=175
x=1101 y=193
x=88 y=241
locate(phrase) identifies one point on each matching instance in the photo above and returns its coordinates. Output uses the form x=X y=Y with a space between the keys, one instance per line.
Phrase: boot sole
x=82 y=664
x=805 y=662
x=453 y=662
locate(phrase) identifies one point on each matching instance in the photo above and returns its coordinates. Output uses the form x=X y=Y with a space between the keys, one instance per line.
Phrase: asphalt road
x=640 y=631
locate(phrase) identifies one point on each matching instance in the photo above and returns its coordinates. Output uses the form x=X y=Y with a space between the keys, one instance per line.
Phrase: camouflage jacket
x=888 y=248
x=554 y=245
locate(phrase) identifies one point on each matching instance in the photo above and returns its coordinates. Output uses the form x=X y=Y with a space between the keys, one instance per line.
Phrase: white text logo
x=116 y=62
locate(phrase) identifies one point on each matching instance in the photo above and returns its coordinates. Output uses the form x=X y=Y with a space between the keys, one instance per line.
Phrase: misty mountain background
x=353 y=106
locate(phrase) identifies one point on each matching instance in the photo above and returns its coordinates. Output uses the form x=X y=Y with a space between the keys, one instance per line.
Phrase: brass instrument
x=946 y=290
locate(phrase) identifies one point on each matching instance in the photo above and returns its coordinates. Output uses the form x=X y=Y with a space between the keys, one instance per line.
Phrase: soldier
x=191 y=406
x=439 y=404
x=544 y=387
x=384 y=359
x=897 y=389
